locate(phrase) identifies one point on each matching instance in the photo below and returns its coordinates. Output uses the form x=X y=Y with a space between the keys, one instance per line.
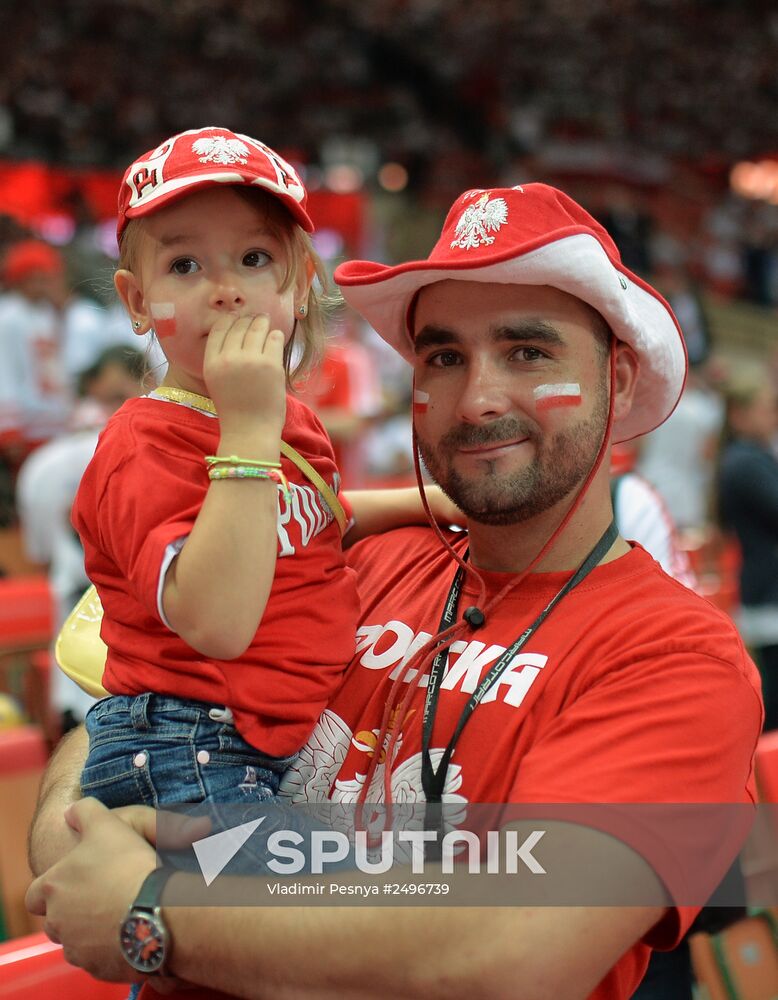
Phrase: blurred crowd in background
x=654 y=93
x=640 y=111
x=424 y=79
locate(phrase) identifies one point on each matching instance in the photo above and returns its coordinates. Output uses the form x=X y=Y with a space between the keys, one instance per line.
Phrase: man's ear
x=129 y=291
x=627 y=368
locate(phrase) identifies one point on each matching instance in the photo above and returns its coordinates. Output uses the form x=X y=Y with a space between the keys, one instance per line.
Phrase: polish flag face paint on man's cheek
x=548 y=397
x=164 y=316
x=420 y=401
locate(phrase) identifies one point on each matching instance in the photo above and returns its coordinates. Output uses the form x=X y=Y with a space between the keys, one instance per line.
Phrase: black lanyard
x=434 y=781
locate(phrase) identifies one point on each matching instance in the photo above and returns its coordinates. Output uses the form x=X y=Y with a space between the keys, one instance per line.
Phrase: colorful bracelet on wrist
x=233 y=467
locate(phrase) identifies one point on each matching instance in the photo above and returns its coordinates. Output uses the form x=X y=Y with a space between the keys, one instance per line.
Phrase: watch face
x=143 y=943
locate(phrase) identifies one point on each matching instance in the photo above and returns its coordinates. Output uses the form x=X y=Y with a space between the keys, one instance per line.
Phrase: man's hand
x=244 y=373
x=85 y=896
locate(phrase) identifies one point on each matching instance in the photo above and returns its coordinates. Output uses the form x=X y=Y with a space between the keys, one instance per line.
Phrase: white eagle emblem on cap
x=478 y=220
x=217 y=149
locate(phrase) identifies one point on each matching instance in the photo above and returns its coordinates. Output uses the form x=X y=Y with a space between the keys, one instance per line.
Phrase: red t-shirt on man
x=634 y=690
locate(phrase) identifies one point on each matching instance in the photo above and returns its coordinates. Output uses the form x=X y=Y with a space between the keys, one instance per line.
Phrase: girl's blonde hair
x=305 y=348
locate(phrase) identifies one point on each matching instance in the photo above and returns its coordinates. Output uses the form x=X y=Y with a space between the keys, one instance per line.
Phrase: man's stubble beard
x=557 y=468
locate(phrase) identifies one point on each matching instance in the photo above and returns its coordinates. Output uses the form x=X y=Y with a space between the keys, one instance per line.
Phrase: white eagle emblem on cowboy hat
x=217 y=149
x=478 y=220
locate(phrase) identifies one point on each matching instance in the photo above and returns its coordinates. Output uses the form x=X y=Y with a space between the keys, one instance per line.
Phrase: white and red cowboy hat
x=205 y=157
x=534 y=234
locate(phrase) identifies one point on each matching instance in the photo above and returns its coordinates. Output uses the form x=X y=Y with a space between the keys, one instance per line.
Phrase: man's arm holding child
x=384 y=510
x=542 y=952
x=50 y=837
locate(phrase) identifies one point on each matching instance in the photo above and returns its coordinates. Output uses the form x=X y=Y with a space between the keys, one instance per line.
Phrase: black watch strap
x=150 y=893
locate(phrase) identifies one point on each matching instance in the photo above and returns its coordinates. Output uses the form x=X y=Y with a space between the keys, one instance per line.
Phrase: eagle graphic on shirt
x=478 y=220
x=313 y=777
x=217 y=149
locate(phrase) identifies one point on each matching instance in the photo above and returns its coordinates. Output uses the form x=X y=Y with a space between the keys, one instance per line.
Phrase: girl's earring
x=302 y=310
x=136 y=324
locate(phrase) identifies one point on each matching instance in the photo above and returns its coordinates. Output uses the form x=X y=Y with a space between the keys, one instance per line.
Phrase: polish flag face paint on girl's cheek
x=420 y=401
x=548 y=397
x=164 y=316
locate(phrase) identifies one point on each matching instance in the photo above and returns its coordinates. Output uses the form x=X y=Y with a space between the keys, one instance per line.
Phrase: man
x=532 y=349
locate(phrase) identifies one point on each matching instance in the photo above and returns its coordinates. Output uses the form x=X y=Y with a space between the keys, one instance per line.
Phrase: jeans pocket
x=151 y=773
x=123 y=781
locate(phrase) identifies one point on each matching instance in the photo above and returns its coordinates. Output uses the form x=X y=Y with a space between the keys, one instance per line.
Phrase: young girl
x=211 y=505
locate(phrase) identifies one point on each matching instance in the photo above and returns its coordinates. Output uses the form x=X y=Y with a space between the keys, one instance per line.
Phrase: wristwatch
x=144 y=938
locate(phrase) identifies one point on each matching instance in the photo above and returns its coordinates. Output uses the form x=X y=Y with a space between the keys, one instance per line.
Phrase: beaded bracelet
x=251 y=472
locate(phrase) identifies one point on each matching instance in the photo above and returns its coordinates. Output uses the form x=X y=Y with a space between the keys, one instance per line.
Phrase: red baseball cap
x=204 y=157
x=533 y=234
x=28 y=257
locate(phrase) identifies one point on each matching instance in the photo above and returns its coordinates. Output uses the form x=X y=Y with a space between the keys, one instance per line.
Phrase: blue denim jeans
x=155 y=750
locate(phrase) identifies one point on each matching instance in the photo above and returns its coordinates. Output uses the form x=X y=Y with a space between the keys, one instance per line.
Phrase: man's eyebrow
x=533 y=330
x=433 y=336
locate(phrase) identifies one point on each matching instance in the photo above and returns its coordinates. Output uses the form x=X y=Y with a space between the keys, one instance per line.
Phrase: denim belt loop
x=139 y=712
